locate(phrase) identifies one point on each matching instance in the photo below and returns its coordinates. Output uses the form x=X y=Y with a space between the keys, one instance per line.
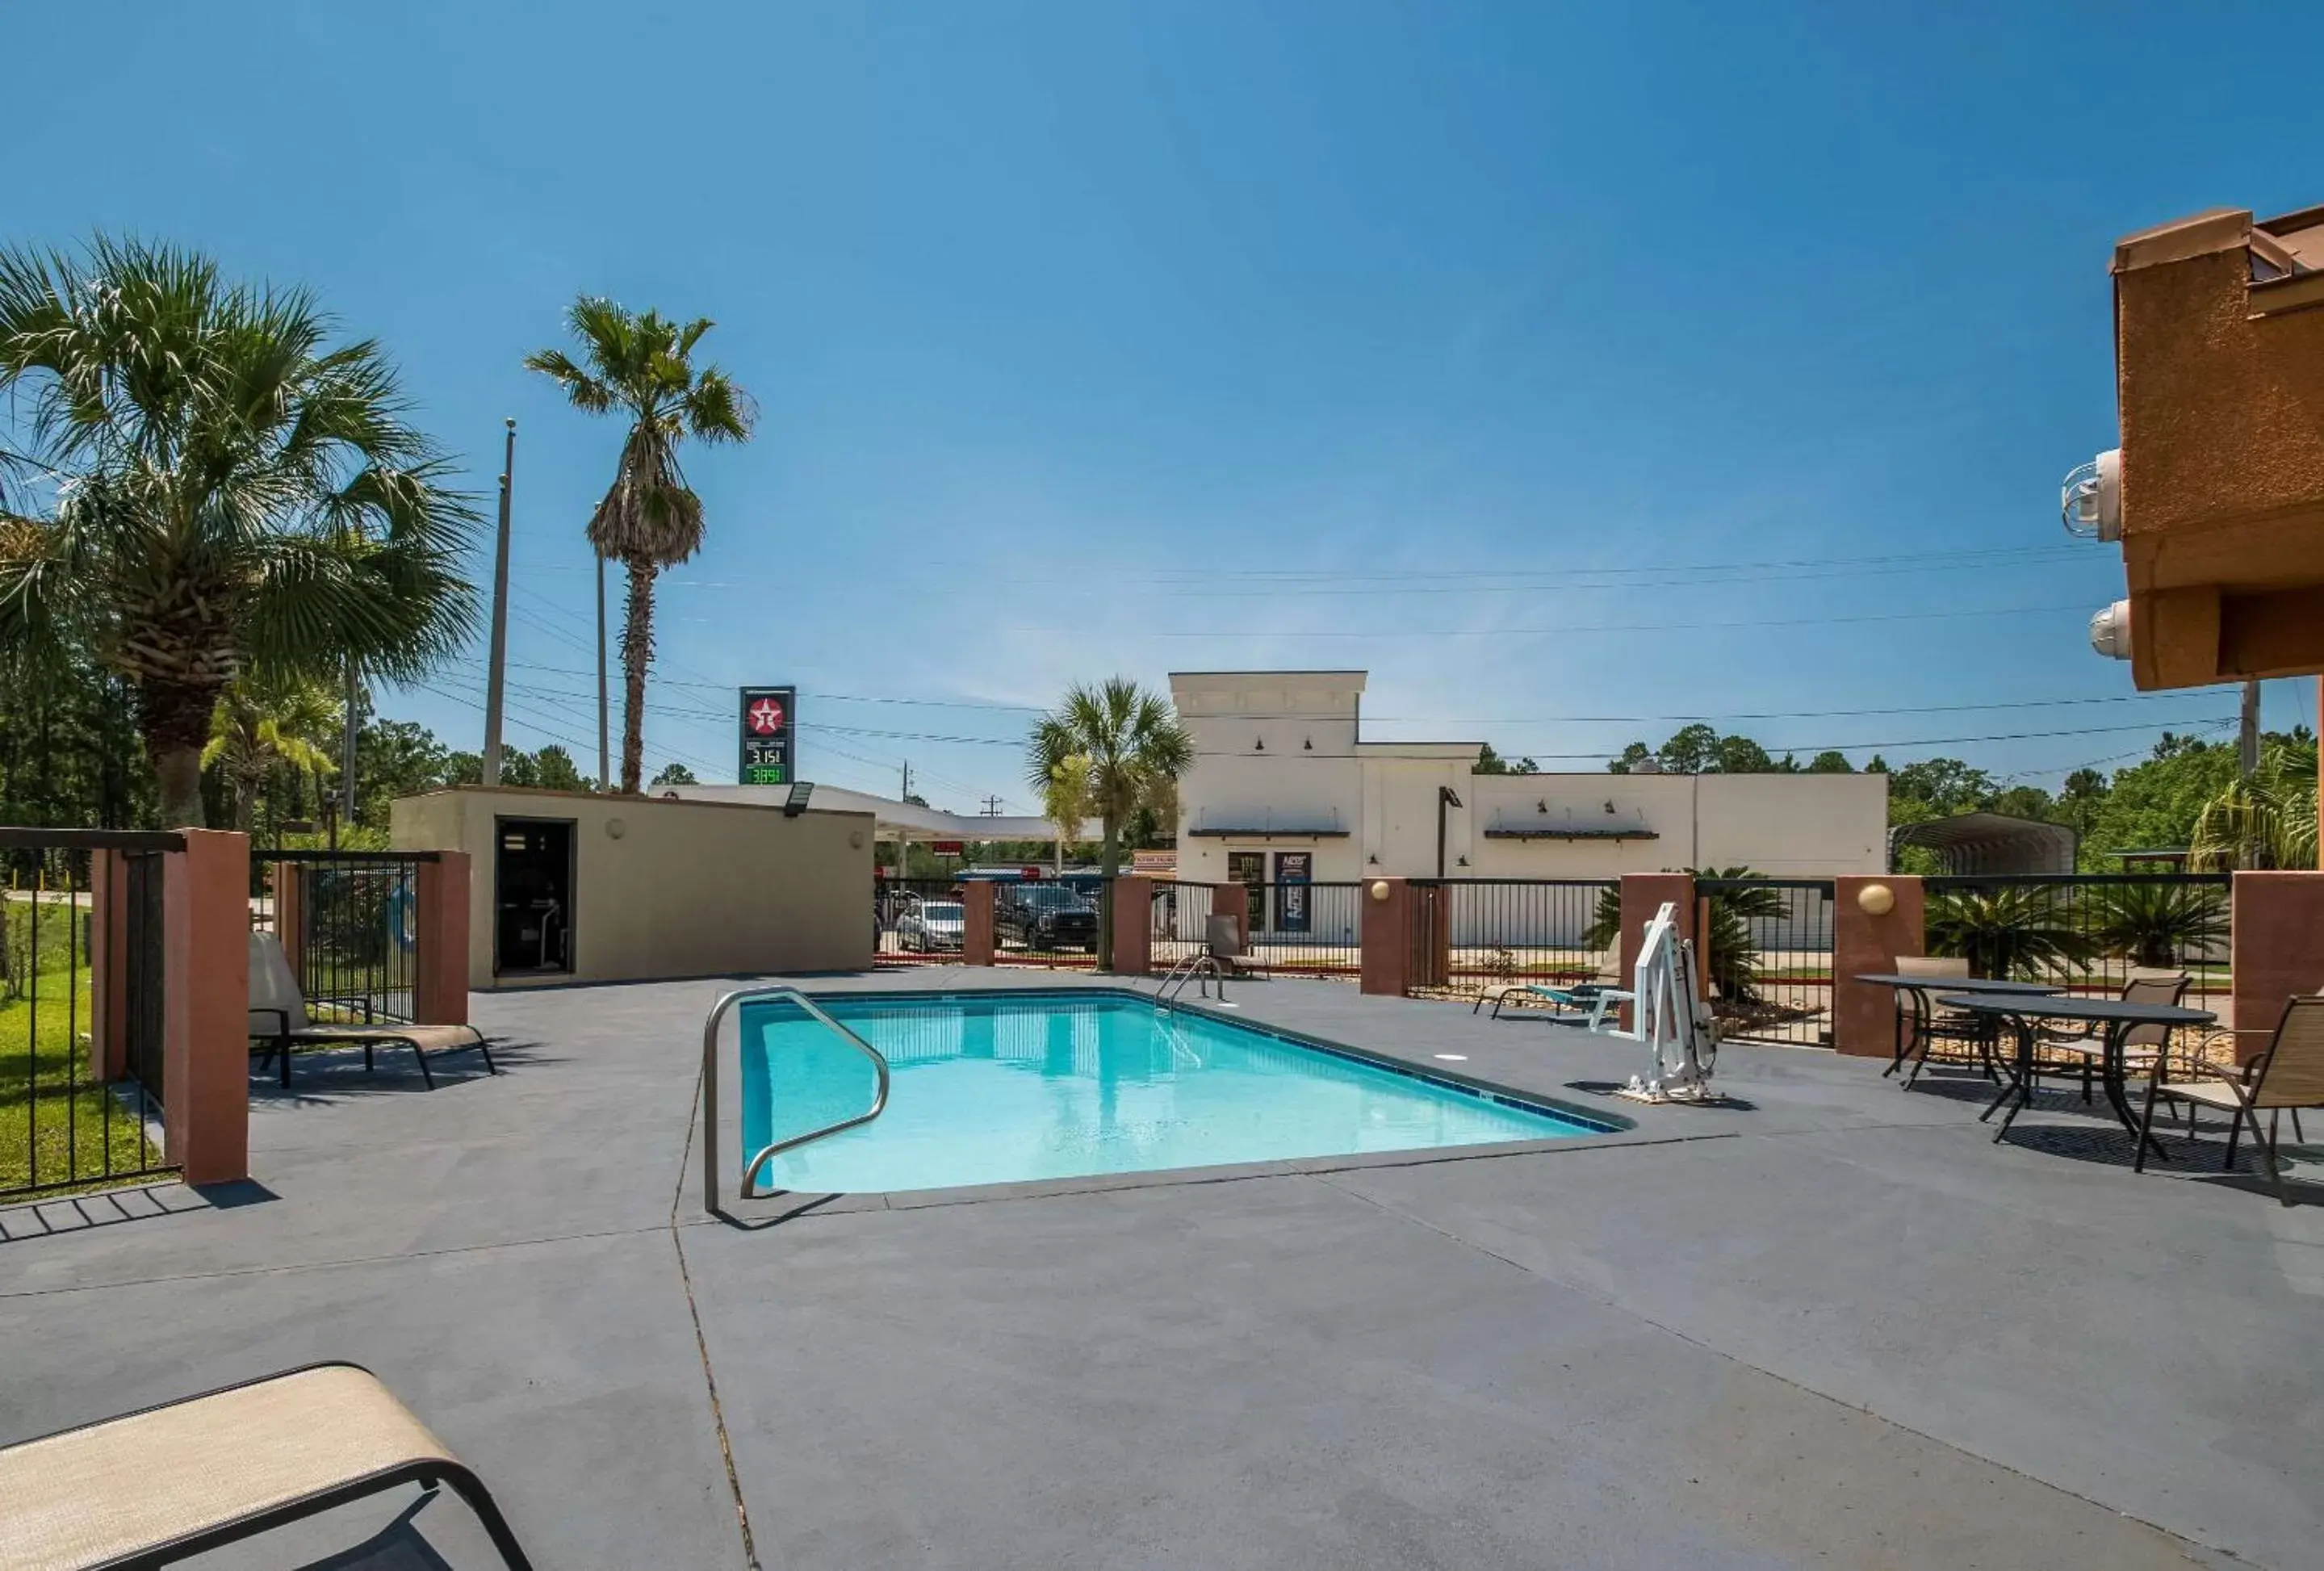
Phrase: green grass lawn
x=56 y=1128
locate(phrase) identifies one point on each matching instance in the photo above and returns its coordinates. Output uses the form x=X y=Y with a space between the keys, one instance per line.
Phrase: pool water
x=1001 y=1088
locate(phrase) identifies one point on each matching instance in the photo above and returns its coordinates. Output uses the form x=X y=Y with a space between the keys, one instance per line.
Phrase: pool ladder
x=1201 y=964
x=718 y=1012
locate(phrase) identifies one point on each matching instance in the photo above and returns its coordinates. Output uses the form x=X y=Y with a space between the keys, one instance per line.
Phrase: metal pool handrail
x=718 y=1012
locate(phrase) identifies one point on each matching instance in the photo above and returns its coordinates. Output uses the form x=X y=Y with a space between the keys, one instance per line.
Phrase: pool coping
x=1610 y=1127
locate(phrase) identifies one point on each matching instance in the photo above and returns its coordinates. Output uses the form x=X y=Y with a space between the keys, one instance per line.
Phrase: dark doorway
x=532 y=896
x=1248 y=868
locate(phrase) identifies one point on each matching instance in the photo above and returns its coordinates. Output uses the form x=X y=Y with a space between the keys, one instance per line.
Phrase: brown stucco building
x=2217 y=495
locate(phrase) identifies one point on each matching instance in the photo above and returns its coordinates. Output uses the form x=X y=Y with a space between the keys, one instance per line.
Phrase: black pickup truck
x=1043 y=915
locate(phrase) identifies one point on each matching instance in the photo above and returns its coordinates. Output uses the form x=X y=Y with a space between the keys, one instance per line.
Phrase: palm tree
x=641 y=364
x=1136 y=749
x=255 y=727
x=2266 y=820
x=2160 y=924
x=224 y=487
x=1065 y=800
x=2009 y=930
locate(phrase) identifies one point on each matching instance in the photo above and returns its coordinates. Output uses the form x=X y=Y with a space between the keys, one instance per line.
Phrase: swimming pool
x=992 y=1088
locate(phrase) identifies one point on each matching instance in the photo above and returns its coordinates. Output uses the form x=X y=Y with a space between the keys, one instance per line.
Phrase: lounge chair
x=278 y=1017
x=1601 y=993
x=2290 y=1074
x=165 y=1484
x=1222 y=940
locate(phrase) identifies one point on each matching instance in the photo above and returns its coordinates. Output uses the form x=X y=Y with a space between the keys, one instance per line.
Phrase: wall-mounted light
x=1372 y=861
x=1541 y=806
x=1379 y=889
x=1875 y=900
x=1461 y=862
x=1259 y=745
x=1309 y=745
x=1610 y=806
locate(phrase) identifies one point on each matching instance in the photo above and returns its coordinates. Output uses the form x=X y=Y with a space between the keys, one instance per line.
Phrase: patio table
x=1921 y=988
x=2116 y=1015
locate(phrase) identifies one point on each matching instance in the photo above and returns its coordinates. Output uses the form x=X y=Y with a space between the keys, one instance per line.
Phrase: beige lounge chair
x=278 y=1017
x=2289 y=1075
x=1922 y=1023
x=168 y=1482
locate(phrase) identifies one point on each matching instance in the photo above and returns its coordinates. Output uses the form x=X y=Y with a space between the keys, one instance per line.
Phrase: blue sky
x=1547 y=361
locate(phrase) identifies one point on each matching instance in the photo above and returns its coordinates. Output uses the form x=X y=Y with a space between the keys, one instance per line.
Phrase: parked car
x=1043 y=916
x=929 y=925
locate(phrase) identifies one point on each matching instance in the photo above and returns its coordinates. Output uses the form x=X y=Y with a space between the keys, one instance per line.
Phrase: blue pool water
x=1000 y=1088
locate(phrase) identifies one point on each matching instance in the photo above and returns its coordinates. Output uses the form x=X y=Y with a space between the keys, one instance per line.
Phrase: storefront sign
x=769 y=736
x=1154 y=862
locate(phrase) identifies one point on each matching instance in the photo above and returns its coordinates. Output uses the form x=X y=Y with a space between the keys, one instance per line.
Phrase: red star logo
x=766 y=716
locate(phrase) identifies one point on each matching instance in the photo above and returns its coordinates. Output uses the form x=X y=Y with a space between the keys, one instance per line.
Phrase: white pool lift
x=1667 y=1015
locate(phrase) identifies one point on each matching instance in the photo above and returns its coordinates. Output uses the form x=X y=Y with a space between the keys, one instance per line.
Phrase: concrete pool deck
x=1832 y=1326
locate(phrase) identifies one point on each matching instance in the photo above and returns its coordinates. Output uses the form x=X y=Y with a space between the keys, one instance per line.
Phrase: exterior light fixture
x=1875 y=900
x=2110 y=630
x=1259 y=745
x=1309 y=745
x=1379 y=889
x=2089 y=504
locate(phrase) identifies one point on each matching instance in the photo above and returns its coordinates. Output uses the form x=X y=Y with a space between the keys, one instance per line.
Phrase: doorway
x=1248 y=868
x=532 y=896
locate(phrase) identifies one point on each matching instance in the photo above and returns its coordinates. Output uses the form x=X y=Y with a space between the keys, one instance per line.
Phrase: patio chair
x=2085 y=1049
x=1921 y=1024
x=1222 y=941
x=1601 y=993
x=279 y=1018
x=165 y=1484
x=2287 y=1074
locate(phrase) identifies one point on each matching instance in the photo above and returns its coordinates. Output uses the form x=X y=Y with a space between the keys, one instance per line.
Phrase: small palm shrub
x=2009 y=931
x=2160 y=925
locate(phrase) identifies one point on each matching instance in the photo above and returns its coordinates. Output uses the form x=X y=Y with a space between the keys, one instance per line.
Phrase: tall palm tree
x=641 y=364
x=1065 y=800
x=256 y=726
x=218 y=485
x=1136 y=749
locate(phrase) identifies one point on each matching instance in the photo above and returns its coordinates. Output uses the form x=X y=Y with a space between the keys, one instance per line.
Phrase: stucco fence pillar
x=1644 y=894
x=1870 y=931
x=1385 y=931
x=206 y=1005
x=977 y=944
x=2276 y=949
x=1131 y=899
x=439 y=961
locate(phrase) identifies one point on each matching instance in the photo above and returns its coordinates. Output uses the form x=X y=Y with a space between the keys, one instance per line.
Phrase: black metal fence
x=1765 y=950
x=2089 y=933
x=81 y=1008
x=351 y=930
x=1484 y=932
x=1178 y=919
x=916 y=920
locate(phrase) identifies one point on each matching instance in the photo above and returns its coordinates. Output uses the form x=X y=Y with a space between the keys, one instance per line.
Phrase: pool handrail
x=1202 y=963
x=718 y=1012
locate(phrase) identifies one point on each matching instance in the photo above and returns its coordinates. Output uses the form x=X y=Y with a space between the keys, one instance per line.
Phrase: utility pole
x=604 y=748
x=908 y=779
x=496 y=671
x=993 y=807
x=2249 y=740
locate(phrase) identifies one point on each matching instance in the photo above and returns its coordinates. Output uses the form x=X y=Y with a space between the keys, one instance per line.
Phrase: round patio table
x=1921 y=988
x=2117 y=1017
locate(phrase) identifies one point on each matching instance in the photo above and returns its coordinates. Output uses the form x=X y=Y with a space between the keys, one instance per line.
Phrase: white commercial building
x=1285 y=788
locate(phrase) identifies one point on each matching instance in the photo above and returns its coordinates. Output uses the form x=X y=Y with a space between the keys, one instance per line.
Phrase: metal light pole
x=1447 y=797
x=604 y=746
x=496 y=671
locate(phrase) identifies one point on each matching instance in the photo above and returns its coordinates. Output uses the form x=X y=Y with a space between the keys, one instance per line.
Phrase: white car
x=931 y=925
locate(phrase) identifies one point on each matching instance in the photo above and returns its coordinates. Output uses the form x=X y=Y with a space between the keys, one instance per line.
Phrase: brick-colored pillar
x=1863 y=1015
x=205 y=1006
x=1234 y=900
x=2278 y=950
x=1133 y=924
x=1384 y=928
x=439 y=960
x=1644 y=894
x=290 y=914
x=108 y=966
x=976 y=935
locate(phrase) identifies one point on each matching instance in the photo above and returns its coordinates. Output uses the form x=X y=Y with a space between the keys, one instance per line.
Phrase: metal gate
x=1764 y=945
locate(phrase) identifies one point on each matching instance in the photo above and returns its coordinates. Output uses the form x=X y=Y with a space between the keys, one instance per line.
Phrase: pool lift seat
x=1668 y=1017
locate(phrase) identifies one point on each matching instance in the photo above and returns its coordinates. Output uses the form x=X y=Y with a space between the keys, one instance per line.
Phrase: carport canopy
x=1990 y=843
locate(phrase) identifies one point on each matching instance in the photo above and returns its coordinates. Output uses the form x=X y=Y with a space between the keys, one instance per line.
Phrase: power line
x=1689 y=625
